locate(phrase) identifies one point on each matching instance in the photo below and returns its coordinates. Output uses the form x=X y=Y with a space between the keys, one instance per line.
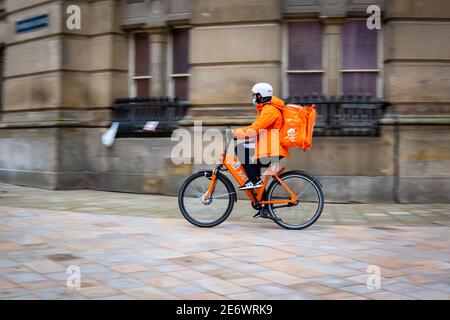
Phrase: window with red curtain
x=142 y=72
x=180 y=62
x=304 y=58
x=359 y=59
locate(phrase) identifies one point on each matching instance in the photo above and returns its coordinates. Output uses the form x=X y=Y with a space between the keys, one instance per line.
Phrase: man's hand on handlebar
x=238 y=133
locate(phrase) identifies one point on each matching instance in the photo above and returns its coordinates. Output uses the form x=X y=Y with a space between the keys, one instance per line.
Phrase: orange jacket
x=266 y=129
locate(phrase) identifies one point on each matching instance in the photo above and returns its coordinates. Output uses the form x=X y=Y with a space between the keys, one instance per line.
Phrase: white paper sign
x=151 y=125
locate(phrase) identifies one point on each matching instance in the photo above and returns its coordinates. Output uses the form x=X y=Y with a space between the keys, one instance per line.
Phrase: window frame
x=132 y=85
x=285 y=58
x=170 y=75
x=379 y=90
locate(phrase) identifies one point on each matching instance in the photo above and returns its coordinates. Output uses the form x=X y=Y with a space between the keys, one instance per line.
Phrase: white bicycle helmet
x=264 y=89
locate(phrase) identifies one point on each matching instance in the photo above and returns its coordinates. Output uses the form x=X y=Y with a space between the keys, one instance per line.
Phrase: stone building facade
x=58 y=83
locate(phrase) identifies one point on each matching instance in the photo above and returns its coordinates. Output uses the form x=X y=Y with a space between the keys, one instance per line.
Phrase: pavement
x=85 y=244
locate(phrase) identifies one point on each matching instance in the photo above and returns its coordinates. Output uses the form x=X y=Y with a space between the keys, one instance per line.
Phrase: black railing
x=346 y=115
x=148 y=115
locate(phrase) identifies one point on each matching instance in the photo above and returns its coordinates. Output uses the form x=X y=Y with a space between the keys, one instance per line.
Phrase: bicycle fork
x=212 y=185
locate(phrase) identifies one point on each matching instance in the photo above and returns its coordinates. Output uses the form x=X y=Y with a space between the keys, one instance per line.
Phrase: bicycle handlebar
x=229 y=134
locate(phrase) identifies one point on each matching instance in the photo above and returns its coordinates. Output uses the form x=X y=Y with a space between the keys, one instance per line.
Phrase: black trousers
x=252 y=167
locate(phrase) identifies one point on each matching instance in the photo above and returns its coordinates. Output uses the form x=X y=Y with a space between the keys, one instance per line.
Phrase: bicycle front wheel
x=208 y=213
x=310 y=201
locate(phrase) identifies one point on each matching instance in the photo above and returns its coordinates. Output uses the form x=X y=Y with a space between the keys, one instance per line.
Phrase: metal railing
x=147 y=115
x=345 y=116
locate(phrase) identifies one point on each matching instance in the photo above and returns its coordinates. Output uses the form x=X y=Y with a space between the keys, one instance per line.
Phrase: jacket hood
x=276 y=102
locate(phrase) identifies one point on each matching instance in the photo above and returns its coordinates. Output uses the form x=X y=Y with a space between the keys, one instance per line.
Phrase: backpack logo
x=291 y=133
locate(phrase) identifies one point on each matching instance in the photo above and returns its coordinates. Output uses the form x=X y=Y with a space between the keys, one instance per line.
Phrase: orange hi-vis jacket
x=266 y=129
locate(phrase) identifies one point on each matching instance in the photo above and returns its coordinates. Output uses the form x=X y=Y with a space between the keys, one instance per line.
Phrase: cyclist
x=262 y=145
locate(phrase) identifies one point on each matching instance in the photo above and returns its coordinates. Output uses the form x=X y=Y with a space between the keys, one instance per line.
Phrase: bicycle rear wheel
x=310 y=201
x=208 y=213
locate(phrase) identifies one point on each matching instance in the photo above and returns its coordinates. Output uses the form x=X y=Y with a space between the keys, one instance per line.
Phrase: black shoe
x=262 y=214
x=250 y=185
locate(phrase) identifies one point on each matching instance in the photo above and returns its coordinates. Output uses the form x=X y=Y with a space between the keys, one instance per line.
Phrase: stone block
x=32 y=92
x=424 y=189
x=217 y=11
x=417 y=9
x=235 y=43
x=95 y=53
x=13 y=5
x=360 y=189
x=179 y=6
x=28 y=150
x=230 y=84
x=424 y=151
x=93 y=90
x=104 y=17
x=412 y=40
x=417 y=82
x=76 y=90
x=76 y=53
x=32 y=57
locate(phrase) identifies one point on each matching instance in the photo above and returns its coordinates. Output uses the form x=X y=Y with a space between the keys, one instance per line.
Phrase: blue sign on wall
x=31 y=24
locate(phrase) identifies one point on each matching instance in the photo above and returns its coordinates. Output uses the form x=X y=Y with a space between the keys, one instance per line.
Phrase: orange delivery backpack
x=297 y=129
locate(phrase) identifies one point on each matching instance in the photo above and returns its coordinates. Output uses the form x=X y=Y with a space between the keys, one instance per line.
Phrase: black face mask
x=260 y=99
x=266 y=99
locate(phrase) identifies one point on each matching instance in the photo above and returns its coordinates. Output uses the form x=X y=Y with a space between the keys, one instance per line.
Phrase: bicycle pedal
x=257 y=215
x=263 y=216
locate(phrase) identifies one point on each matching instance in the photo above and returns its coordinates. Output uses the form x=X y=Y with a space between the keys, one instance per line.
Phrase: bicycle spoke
x=222 y=195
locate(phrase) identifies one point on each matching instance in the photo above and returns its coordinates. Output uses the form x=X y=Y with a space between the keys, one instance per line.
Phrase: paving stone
x=54 y=293
x=128 y=268
x=117 y=297
x=13 y=292
x=204 y=296
x=149 y=293
x=24 y=297
x=186 y=290
x=123 y=283
x=97 y=292
x=5 y=284
x=427 y=294
x=44 y=266
x=220 y=286
x=359 y=289
x=272 y=289
x=314 y=289
x=164 y=282
x=24 y=277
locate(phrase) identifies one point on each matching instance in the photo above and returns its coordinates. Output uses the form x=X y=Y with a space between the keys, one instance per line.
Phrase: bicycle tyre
x=231 y=199
x=313 y=182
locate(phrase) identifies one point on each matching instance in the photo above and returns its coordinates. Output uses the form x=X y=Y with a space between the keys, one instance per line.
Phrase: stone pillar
x=158 y=62
x=416 y=68
x=332 y=60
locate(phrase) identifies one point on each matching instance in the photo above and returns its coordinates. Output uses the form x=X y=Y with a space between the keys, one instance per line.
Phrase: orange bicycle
x=294 y=199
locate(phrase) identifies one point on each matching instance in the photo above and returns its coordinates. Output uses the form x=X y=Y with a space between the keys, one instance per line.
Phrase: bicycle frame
x=233 y=165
